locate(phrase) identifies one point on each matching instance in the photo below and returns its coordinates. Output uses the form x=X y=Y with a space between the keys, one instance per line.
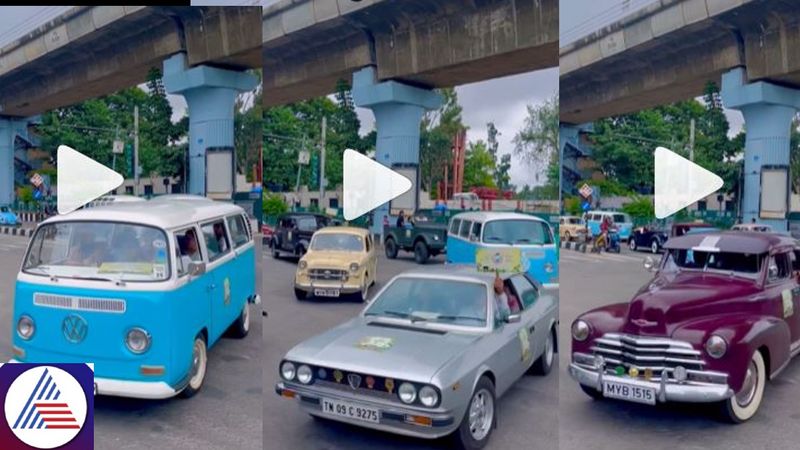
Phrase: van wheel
x=421 y=254
x=241 y=327
x=391 y=248
x=197 y=371
x=744 y=404
x=300 y=294
x=480 y=418
x=544 y=364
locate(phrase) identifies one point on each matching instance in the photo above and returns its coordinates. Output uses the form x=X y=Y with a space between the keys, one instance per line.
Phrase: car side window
x=238 y=229
x=779 y=267
x=217 y=244
x=525 y=290
x=465 y=227
x=454 y=225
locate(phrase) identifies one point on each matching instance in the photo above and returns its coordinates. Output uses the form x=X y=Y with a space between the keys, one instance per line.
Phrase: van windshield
x=104 y=251
x=522 y=232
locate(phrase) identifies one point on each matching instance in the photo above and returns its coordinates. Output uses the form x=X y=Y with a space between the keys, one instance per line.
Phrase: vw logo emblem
x=74 y=328
x=354 y=380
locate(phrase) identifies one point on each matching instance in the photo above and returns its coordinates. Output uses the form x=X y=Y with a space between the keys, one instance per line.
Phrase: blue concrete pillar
x=768 y=110
x=398 y=110
x=210 y=94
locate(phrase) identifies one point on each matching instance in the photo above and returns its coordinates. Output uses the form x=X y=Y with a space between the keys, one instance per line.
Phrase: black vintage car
x=647 y=238
x=294 y=230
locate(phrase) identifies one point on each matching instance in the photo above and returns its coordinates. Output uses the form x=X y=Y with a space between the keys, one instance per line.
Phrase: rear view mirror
x=650 y=264
x=197 y=268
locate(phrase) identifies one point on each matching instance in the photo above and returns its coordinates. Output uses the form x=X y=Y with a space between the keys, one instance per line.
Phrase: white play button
x=81 y=179
x=368 y=184
x=680 y=182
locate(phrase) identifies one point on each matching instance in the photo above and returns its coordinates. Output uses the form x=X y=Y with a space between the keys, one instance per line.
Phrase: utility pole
x=691 y=140
x=136 y=150
x=322 y=164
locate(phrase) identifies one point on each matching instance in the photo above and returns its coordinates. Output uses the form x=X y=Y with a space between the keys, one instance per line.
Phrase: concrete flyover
x=308 y=45
x=669 y=50
x=91 y=51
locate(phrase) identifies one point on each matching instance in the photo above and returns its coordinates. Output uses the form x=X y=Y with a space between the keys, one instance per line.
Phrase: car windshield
x=574 y=221
x=104 y=251
x=337 y=241
x=517 y=231
x=4 y=209
x=433 y=300
x=742 y=264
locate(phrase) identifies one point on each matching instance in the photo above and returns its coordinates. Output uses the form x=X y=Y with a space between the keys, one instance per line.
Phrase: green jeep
x=427 y=237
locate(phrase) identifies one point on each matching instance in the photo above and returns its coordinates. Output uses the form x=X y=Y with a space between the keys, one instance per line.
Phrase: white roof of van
x=160 y=212
x=483 y=216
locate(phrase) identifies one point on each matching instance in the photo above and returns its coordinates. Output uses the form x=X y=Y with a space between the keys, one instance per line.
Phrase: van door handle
x=212 y=286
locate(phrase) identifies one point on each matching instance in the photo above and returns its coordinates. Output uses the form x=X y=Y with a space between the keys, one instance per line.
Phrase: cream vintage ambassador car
x=339 y=261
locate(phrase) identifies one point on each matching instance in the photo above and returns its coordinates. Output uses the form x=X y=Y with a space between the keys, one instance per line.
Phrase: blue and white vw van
x=140 y=289
x=622 y=221
x=470 y=231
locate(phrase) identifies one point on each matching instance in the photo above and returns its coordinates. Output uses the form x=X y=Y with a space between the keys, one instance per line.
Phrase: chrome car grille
x=79 y=303
x=656 y=354
x=327 y=274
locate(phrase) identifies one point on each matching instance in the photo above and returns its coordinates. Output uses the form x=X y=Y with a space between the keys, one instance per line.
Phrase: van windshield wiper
x=78 y=277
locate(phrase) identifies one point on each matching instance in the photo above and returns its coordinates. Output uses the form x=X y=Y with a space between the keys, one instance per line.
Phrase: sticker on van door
x=227 y=290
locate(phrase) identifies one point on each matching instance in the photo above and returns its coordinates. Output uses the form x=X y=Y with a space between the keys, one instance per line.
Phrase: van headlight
x=354 y=267
x=25 y=327
x=288 y=371
x=716 y=346
x=428 y=396
x=137 y=340
x=304 y=374
x=407 y=393
x=580 y=330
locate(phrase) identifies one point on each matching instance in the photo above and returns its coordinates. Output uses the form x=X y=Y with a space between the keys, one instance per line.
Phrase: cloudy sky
x=577 y=18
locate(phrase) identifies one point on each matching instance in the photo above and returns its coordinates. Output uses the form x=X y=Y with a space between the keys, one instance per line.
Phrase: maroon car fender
x=606 y=319
x=744 y=334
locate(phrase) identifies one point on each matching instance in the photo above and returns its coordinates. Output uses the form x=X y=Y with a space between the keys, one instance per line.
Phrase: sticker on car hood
x=376 y=343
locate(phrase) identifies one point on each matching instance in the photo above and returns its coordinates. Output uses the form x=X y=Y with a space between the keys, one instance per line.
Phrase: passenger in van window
x=191 y=250
x=222 y=240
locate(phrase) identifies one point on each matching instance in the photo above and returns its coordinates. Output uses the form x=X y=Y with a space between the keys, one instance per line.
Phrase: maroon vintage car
x=720 y=317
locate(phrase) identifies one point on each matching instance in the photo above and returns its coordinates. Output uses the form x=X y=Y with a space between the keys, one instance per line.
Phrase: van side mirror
x=197 y=268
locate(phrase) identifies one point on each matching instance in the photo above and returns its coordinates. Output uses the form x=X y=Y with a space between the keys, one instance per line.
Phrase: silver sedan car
x=428 y=356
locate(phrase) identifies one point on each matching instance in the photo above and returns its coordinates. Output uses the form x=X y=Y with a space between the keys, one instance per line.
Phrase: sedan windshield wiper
x=403 y=315
x=454 y=318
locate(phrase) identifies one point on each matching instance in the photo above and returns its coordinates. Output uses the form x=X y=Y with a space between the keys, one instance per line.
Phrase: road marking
x=599 y=258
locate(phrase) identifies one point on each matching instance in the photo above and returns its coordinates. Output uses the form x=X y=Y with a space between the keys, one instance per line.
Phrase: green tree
x=247 y=126
x=273 y=204
x=478 y=166
x=537 y=142
x=437 y=130
x=640 y=209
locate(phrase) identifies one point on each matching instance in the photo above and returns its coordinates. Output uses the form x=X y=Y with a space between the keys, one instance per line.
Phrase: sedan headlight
x=25 y=327
x=435 y=237
x=407 y=393
x=580 y=330
x=428 y=396
x=288 y=371
x=304 y=374
x=716 y=346
x=137 y=340
x=302 y=265
x=354 y=267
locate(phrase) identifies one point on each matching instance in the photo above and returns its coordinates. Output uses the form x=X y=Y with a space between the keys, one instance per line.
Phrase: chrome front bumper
x=343 y=288
x=667 y=391
x=393 y=418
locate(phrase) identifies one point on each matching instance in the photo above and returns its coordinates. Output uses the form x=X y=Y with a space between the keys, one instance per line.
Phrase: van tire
x=241 y=326
x=199 y=363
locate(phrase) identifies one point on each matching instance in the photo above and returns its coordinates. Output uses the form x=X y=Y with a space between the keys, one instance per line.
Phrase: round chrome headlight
x=354 y=267
x=428 y=396
x=288 y=371
x=137 y=340
x=304 y=374
x=407 y=393
x=548 y=267
x=302 y=265
x=716 y=346
x=25 y=327
x=580 y=330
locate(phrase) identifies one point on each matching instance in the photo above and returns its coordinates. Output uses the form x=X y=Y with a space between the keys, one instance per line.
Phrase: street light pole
x=136 y=150
x=322 y=163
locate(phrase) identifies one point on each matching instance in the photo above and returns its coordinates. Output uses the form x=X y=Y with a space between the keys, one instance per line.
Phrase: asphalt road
x=589 y=281
x=226 y=413
x=527 y=412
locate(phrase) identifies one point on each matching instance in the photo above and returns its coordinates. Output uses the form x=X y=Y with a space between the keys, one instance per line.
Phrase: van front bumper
x=393 y=418
x=153 y=390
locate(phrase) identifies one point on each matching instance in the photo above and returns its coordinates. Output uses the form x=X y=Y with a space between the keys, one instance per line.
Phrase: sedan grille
x=327 y=274
x=655 y=354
